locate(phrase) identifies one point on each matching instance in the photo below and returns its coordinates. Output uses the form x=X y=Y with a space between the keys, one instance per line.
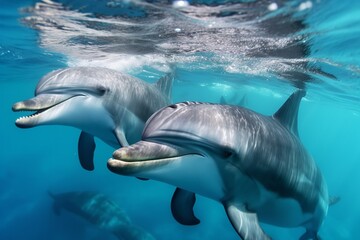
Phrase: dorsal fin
x=288 y=112
x=223 y=101
x=165 y=83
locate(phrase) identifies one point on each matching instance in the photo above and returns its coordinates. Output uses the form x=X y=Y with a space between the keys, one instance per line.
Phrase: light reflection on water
x=261 y=39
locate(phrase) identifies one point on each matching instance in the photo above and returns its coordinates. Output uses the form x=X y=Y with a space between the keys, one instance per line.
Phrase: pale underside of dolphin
x=104 y=103
x=254 y=165
x=100 y=211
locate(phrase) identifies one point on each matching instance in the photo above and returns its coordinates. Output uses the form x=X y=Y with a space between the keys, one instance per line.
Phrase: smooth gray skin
x=101 y=102
x=255 y=165
x=100 y=211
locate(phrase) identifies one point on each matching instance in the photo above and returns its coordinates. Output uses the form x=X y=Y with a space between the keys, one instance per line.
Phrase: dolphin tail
x=334 y=200
x=165 y=83
x=56 y=207
x=313 y=235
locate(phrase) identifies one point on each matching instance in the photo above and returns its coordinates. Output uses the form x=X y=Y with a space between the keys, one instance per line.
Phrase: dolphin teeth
x=28 y=117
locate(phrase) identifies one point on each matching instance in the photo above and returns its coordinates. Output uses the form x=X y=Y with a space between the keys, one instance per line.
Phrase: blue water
x=231 y=50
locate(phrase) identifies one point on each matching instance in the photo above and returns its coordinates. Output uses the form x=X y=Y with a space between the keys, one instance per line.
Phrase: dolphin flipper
x=86 y=148
x=310 y=235
x=123 y=143
x=246 y=224
x=182 y=204
x=120 y=136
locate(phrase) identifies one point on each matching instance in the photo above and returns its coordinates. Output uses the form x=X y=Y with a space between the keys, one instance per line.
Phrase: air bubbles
x=272 y=7
x=180 y=4
x=305 y=5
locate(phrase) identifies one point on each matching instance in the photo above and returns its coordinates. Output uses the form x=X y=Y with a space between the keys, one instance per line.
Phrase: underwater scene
x=179 y=120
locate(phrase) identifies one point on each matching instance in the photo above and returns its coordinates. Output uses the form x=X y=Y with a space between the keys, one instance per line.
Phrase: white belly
x=193 y=173
x=283 y=212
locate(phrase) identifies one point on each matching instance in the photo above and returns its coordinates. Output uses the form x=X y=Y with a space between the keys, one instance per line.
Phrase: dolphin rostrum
x=99 y=210
x=105 y=103
x=254 y=165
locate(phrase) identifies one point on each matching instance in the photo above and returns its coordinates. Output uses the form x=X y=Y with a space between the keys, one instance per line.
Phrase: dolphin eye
x=227 y=153
x=101 y=90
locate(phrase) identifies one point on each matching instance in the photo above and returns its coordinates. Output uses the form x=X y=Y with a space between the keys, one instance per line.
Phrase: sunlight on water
x=270 y=40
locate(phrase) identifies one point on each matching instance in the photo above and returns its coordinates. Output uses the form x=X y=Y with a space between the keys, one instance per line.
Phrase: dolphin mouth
x=145 y=155
x=39 y=105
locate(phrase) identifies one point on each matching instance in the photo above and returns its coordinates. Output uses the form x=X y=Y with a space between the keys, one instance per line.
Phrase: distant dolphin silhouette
x=255 y=165
x=100 y=211
x=110 y=105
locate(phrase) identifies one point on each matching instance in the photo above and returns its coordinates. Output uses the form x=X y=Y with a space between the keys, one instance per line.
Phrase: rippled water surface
x=253 y=52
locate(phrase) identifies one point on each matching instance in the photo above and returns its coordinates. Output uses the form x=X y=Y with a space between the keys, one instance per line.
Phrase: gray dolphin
x=99 y=210
x=110 y=105
x=255 y=165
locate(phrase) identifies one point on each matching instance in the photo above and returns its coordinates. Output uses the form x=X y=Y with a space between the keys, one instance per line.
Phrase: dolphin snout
x=143 y=156
x=40 y=102
x=24 y=105
x=144 y=150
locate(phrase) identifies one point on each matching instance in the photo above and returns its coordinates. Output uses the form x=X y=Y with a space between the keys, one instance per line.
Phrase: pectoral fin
x=86 y=148
x=182 y=204
x=310 y=235
x=120 y=136
x=245 y=223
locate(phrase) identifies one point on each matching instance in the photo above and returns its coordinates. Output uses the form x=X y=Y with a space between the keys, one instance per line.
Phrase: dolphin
x=105 y=103
x=110 y=105
x=99 y=210
x=255 y=165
